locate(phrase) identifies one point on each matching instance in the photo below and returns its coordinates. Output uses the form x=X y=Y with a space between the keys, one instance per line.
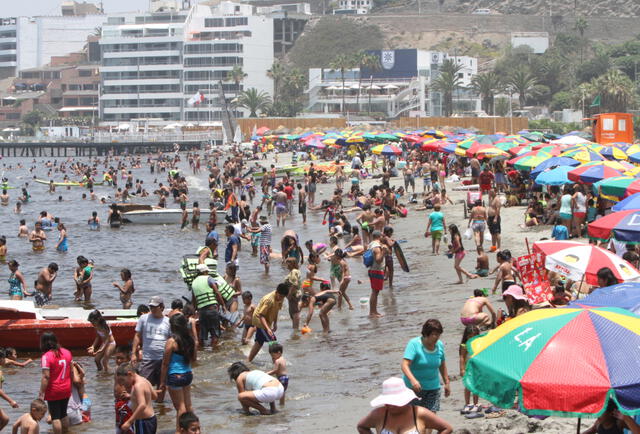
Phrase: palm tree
x=616 y=89
x=254 y=100
x=581 y=26
x=522 y=82
x=236 y=75
x=276 y=73
x=365 y=60
x=487 y=85
x=447 y=82
x=341 y=63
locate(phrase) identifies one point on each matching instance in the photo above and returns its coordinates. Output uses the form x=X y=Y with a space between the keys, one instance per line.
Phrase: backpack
x=367 y=258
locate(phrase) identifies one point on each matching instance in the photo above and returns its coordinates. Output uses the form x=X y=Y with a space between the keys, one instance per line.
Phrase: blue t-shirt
x=213 y=234
x=233 y=239
x=424 y=364
x=436 y=219
x=560 y=233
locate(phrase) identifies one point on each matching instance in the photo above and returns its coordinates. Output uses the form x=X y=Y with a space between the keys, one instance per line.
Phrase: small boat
x=66 y=184
x=22 y=324
x=163 y=216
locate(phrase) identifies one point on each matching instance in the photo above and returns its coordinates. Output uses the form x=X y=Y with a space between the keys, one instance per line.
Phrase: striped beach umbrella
x=386 y=150
x=588 y=174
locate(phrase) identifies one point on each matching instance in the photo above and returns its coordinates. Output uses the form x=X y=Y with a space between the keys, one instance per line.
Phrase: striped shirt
x=265 y=235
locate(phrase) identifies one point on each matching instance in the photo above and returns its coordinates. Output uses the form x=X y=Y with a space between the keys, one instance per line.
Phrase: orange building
x=613 y=127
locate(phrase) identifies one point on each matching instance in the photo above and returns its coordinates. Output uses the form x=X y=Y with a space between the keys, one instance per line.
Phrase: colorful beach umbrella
x=623 y=295
x=584 y=262
x=555 y=176
x=628 y=203
x=548 y=247
x=588 y=174
x=622 y=225
x=621 y=186
x=566 y=362
x=386 y=150
x=528 y=162
x=433 y=145
x=583 y=155
x=553 y=162
x=613 y=153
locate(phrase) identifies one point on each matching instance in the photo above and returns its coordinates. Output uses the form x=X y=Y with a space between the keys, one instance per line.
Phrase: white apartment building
x=30 y=42
x=354 y=7
x=154 y=63
x=400 y=86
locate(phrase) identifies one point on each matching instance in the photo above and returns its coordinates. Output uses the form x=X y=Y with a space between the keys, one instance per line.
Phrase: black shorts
x=150 y=369
x=494 y=225
x=262 y=336
x=146 y=426
x=475 y=172
x=177 y=381
x=58 y=409
x=506 y=284
x=209 y=321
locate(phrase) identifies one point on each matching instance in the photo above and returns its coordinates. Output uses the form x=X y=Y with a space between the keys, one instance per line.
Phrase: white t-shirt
x=154 y=333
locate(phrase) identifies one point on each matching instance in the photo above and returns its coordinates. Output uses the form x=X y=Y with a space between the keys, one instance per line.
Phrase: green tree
x=616 y=90
x=487 y=85
x=522 y=82
x=502 y=106
x=368 y=61
x=276 y=73
x=447 y=82
x=32 y=121
x=254 y=100
x=581 y=25
x=236 y=75
x=342 y=63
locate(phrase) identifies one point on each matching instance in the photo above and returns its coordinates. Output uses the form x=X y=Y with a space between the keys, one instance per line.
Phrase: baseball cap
x=156 y=301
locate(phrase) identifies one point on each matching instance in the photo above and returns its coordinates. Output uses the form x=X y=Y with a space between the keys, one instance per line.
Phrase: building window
x=85 y=73
x=236 y=21
x=214 y=22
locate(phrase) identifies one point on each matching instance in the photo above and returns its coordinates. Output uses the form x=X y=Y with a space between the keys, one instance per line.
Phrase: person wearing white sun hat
x=393 y=413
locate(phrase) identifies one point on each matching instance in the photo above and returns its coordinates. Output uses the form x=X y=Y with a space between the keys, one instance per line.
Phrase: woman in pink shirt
x=57 y=376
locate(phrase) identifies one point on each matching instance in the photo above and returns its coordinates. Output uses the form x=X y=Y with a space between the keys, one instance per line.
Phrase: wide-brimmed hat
x=394 y=392
x=202 y=268
x=264 y=218
x=516 y=292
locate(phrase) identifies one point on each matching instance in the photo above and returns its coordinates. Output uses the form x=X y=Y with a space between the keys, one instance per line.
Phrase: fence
x=247 y=124
x=483 y=125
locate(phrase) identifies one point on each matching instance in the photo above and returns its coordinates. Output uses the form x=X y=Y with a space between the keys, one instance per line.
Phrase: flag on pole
x=596 y=102
x=196 y=99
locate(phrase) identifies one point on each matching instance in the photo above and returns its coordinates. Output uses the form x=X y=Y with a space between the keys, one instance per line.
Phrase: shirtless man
x=44 y=284
x=37 y=237
x=472 y=314
x=409 y=178
x=143 y=418
x=378 y=221
x=426 y=178
x=478 y=222
x=493 y=220
x=365 y=219
x=4 y=198
x=506 y=273
x=280 y=199
x=475 y=170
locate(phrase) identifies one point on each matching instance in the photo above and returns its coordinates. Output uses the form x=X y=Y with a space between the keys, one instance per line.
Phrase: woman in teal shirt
x=422 y=361
x=435 y=228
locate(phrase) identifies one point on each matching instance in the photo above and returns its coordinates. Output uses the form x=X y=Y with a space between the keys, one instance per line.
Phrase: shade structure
x=556 y=176
x=583 y=155
x=548 y=247
x=584 y=262
x=553 y=162
x=566 y=361
x=613 y=153
x=628 y=203
x=386 y=150
x=434 y=146
x=623 y=295
x=588 y=174
x=621 y=186
x=622 y=225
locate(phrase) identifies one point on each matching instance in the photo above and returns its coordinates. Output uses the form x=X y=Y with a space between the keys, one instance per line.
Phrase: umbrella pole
x=579 y=422
x=526 y=240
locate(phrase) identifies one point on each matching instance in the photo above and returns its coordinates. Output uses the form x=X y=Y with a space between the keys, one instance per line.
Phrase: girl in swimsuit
x=62 y=241
x=104 y=337
x=340 y=272
x=307 y=284
x=83 y=276
x=17 y=284
x=126 y=289
x=3 y=250
x=354 y=247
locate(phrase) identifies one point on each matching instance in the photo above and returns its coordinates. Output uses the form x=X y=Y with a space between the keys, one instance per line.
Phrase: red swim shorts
x=376 y=277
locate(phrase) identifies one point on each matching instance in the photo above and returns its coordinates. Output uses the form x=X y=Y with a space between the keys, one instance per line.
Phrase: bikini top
x=413 y=431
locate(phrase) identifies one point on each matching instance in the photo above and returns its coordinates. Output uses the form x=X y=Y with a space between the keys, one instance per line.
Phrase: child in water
x=11 y=358
x=126 y=289
x=482 y=263
x=279 y=367
x=29 y=423
x=248 y=328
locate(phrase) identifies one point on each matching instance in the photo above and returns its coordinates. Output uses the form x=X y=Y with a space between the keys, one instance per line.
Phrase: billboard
x=393 y=64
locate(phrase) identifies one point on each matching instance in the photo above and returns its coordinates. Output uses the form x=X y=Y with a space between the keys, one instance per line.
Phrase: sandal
x=474 y=415
x=492 y=409
x=466 y=409
x=496 y=414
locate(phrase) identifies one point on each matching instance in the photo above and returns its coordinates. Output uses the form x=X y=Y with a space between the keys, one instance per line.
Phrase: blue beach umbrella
x=557 y=176
x=628 y=203
x=623 y=295
x=553 y=162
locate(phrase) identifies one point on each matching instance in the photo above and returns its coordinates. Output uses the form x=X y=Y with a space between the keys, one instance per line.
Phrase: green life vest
x=226 y=290
x=202 y=292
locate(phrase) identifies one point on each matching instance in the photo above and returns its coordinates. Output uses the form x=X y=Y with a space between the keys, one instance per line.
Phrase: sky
x=52 y=7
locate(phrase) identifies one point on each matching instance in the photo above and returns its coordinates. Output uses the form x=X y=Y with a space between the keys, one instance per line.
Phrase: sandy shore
x=441 y=298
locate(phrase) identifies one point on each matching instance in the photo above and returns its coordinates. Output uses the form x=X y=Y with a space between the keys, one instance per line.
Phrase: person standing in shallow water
x=376 y=272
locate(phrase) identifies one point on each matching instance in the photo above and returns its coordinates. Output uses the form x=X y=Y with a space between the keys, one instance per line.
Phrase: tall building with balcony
x=399 y=86
x=154 y=63
x=31 y=42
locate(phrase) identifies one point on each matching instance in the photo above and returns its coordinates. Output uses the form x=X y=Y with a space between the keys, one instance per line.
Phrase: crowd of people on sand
x=360 y=224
